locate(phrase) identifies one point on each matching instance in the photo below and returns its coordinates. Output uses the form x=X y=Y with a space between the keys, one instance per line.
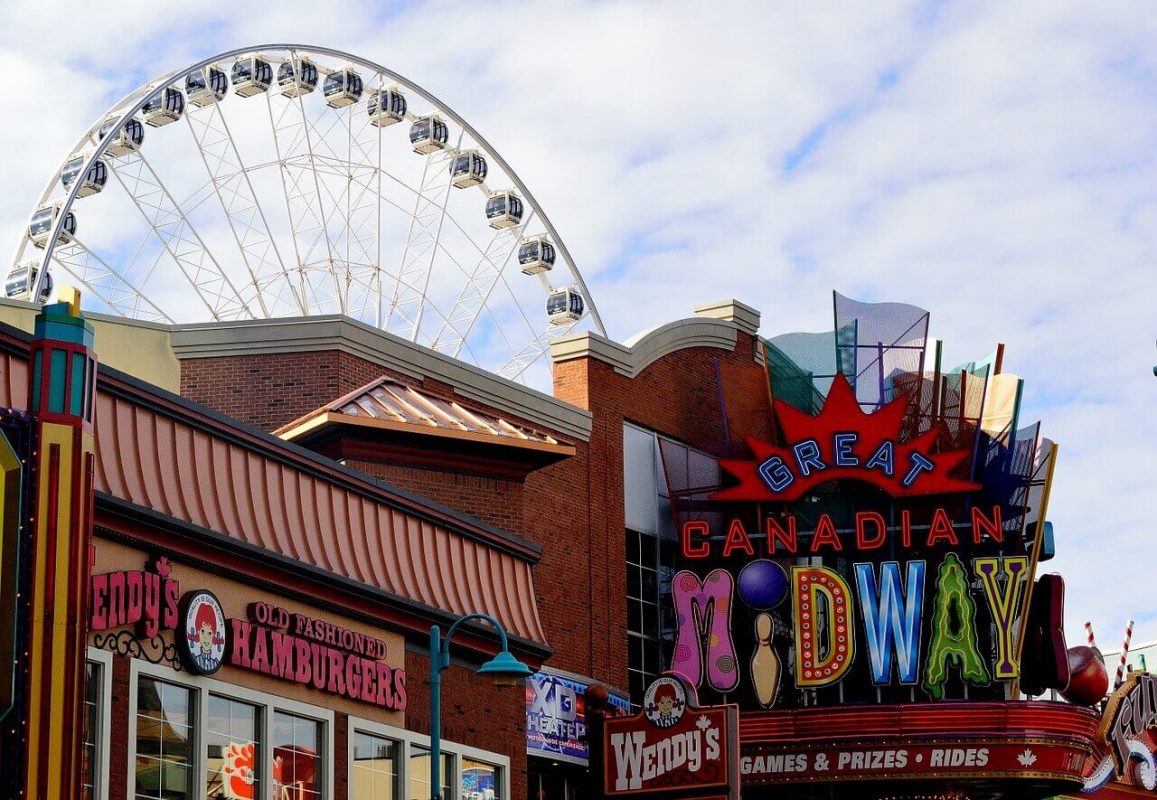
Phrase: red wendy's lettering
x=146 y=598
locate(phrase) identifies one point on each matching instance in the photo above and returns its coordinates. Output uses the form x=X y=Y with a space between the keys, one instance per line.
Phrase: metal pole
x=436 y=668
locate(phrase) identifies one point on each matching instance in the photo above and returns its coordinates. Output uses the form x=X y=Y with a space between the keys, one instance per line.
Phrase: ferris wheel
x=292 y=180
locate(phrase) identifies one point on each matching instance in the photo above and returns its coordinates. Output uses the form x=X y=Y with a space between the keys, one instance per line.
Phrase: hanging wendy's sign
x=673 y=747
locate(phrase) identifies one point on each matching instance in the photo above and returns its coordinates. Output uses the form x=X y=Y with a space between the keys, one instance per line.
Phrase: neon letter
x=703 y=610
x=1003 y=604
x=812 y=586
x=957 y=644
x=919 y=464
x=697 y=527
x=884 y=458
x=862 y=540
x=888 y=626
x=776 y=474
x=775 y=533
x=807 y=455
x=981 y=525
x=842 y=444
x=737 y=539
x=826 y=534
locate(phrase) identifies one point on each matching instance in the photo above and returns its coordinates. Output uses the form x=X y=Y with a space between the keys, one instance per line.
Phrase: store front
x=253 y=616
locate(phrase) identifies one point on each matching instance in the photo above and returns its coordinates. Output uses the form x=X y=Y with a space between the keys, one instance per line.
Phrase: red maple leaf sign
x=842 y=442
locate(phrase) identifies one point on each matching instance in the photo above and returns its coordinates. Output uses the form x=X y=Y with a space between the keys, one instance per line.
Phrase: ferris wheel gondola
x=125 y=138
x=92 y=182
x=44 y=220
x=166 y=107
x=536 y=255
x=342 y=87
x=206 y=85
x=296 y=77
x=252 y=75
x=21 y=282
x=468 y=169
x=305 y=191
x=386 y=107
x=504 y=209
x=429 y=134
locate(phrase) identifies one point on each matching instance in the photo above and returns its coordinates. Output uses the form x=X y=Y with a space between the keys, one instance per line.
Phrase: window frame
x=202 y=687
x=103 y=658
x=408 y=739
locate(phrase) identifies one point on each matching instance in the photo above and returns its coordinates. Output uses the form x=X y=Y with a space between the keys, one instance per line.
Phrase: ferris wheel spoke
x=479 y=284
x=534 y=350
x=112 y=288
x=421 y=245
x=238 y=200
x=172 y=228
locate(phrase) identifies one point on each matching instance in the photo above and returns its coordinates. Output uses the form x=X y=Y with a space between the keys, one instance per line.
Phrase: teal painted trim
x=58 y=362
x=77 y=385
x=37 y=358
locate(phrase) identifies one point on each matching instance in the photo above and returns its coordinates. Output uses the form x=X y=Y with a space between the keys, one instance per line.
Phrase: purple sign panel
x=556 y=716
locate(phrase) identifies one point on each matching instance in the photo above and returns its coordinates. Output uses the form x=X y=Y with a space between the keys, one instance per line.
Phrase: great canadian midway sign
x=673 y=747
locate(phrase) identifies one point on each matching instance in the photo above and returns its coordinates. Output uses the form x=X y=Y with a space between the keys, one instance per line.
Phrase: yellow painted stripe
x=61 y=669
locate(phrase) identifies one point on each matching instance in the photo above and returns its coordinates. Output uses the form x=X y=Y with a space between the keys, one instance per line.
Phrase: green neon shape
x=958 y=645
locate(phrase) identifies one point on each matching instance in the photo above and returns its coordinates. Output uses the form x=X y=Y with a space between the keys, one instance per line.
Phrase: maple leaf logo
x=703 y=723
x=1027 y=758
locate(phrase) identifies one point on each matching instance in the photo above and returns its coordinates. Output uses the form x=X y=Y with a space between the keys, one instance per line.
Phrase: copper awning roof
x=389 y=420
x=171 y=457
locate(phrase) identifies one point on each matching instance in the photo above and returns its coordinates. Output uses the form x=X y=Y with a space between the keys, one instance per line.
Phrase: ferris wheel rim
x=135 y=100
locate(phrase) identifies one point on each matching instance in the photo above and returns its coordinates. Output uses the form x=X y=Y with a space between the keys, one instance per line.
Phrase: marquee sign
x=673 y=747
x=858 y=557
x=1127 y=737
x=271 y=640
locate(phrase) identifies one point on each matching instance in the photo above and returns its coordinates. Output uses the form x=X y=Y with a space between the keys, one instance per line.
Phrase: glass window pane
x=418 y=774
x=232 y=750
x=90 y=765
x=297 y=757
x=480 y=781
x=373 y=774
x=164 y=729
x=640 y=480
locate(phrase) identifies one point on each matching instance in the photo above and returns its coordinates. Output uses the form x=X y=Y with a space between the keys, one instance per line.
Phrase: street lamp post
x=504 y=668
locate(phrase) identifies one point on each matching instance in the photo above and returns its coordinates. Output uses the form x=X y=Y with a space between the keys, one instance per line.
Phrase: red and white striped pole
x=1089 y=634
x=1124 y=655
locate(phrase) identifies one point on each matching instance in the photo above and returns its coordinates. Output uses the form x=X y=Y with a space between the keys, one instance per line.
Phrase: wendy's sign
x=298 y=648
x=271 y=640
x=672 y=747
x=147 y=598
x=844 y=443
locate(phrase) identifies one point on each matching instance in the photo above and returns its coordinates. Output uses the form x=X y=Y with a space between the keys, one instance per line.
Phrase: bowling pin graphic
x=765 y=663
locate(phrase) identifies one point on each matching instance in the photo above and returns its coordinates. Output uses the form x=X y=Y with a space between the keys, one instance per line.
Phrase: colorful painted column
x=62 y=400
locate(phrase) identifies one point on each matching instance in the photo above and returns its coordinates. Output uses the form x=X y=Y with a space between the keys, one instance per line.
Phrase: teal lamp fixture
x=504 y=668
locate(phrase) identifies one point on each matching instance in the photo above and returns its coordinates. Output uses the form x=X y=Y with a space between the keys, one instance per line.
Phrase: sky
x=994 y=163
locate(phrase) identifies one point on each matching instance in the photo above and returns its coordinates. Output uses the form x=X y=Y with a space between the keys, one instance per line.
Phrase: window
x=196 y=738
x=297 y=757
x=480 y=781
x=388 y=763
x=418 y=773
x=94 y=756
x=165 y=727
x=232 y=749
x=374 y=772
x=650 y=560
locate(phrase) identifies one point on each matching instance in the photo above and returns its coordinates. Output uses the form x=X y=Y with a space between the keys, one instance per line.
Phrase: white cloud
x=993 y=163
